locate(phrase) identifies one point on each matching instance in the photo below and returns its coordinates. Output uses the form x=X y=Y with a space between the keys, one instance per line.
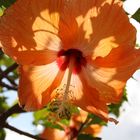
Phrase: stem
x=15 y=109
x=80 y=128
x=3 y=117
x=83 y=124
x=8 y=86
x=22 y=132
x=11 y=81
x=5 y=74
x=11 y=68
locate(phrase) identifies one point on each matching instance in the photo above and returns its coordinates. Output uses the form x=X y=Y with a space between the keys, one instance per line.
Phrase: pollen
x=61 y=108
x=61 y=91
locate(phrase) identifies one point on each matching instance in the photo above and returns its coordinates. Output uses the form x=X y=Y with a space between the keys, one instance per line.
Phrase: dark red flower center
x=64 y=58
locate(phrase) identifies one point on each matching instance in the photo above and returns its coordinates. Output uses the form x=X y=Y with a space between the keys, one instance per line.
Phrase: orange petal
x=95 y=27
x=32 y=57
x=87 y=98
x=27 y=30
x=80 y=117
x=54 y=134
x=84 y=96
x=94 y=129
x=35 y=83
x=110 y=74
x=111 y=28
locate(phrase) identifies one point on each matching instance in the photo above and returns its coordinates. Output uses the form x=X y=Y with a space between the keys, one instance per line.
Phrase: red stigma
x=64 y=58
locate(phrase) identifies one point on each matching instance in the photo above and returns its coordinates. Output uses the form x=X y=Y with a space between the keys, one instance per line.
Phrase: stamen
x=61 y=91
x=61 y=104
x=64 y=110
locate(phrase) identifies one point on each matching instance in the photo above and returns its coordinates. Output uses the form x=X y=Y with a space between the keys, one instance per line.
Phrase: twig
x=15 y=109
x=21 y=132
x=8 y=86
x=11 y=68
x=5 y=73
x=9 y=112
x=3 y=124
x=83 y=124
x=11 y=81
x=80 y=128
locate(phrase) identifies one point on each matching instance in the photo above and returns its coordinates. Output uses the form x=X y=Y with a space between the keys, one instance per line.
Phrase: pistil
x=73 y=61
x=71 y=66
x=64 y=110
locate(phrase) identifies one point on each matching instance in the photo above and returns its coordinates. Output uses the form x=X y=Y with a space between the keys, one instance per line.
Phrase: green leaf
x=5 y=60
x=6 y=3
x=40 y=115
x=138 y=46
x=1 y=52
x=136 y=16
x=65 y=122
x=52 y=125
x=87 y=137
x=1 y=89
x=1 y=11
x=115 y=108
x=48 y=119
x=3 y=104
x=95 y=120
x=2 y=134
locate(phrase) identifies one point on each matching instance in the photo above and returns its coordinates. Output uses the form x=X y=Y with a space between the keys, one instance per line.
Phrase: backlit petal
x=26 y=31
x=36 y=83
x=111 y=29
x=83 y=96
x=93 y=129
x=87 y=98
x=54 y=134
x=95 y=27
x=108 y=75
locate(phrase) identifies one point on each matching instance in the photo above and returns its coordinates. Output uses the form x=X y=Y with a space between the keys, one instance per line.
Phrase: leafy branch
x=4 y=116
x=7 y=86
x=14 y=109
x=4 y=74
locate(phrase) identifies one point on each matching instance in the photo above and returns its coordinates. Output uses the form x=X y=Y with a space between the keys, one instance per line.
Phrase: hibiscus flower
x=70 y=52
